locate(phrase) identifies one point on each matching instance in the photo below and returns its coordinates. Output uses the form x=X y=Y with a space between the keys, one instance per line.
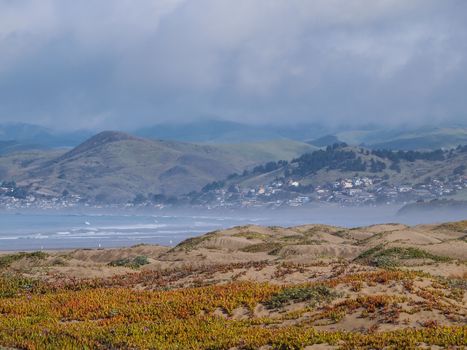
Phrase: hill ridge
x=102 y=138
x=114 y=167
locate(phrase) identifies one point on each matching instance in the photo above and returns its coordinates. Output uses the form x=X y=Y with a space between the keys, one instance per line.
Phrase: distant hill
x=29 y=136
x=7 y=147
x=115 y=167
x=427 y=138
x=220 y=131
x=272 y=150
x=324 y=141
x=440 y=139
x=397 y=138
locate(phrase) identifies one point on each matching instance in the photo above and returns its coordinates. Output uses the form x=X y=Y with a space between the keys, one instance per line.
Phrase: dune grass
x=7 y=260
x=394 y=256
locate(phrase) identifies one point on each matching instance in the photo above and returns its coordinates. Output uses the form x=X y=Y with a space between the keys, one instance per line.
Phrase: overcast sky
x=129 y=63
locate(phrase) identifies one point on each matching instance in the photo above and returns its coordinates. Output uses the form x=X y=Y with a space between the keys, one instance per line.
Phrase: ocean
x=56 y=230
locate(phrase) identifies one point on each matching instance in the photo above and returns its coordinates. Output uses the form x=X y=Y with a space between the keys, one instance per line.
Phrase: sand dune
x=367 y=280
x=429 y=244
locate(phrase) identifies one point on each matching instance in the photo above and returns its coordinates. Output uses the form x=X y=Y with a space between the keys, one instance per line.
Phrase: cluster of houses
x=31 y=201
x=11 y=197
x=352 y=191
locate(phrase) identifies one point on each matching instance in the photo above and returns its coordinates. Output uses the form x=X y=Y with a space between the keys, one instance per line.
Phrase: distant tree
x=19 y=193
x=271 y=166
x=460 y=170
x=9 y=184
x=353 y=165
x=268 y=167
x=409 y=156
x=332 y=158
x=395 y=166
x=139 y=198
x=377 y=166
x=172 y=200
x=213 y=186
x=158 y=198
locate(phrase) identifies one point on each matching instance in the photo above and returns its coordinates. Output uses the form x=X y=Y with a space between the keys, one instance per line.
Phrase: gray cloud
x=121 y=63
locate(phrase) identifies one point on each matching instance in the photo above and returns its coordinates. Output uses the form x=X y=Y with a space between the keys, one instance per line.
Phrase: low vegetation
x=194 y=242
x=380 y=256
x=133 y=263
x=7 y=260
x=459 y=226
x=268 y=247
x=107 y=314
x=311 y=294
x=251 y=235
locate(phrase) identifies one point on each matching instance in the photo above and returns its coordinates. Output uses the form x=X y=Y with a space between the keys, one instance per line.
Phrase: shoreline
x=177 y=239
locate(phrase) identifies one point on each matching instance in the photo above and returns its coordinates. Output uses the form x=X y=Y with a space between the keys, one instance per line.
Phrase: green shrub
x=131 y=263
x=251 y=235
x=269 y=247
x=391 y=257
x=312 y=294
x=193 y=242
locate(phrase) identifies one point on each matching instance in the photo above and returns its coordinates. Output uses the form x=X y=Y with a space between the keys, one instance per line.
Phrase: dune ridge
x=248 y=287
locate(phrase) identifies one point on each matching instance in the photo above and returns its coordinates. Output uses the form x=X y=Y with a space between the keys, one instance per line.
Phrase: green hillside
x=268 y=150
x=115 y=167
x=341 y=161
x=397 y=139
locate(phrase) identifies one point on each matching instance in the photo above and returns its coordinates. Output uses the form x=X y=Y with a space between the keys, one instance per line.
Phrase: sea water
x=57 y=230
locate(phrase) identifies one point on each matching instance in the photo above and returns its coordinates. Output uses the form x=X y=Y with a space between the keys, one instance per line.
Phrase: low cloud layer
x=124 y=64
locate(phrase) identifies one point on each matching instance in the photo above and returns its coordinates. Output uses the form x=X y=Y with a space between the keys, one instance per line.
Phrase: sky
x=125 y=64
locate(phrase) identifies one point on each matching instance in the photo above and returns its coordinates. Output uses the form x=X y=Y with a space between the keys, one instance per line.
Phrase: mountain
x=114 y=167
x=29 y=136
x=426 y=138
x=11 y=146
x=219 y=131
x=374 y=137
x=324 y=141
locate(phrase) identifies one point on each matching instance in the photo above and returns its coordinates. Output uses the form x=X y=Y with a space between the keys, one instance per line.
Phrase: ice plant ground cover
x=118 y=313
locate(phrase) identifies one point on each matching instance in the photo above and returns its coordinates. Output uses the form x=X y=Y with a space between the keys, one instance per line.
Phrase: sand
x=296 y=256
x=304 y=244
